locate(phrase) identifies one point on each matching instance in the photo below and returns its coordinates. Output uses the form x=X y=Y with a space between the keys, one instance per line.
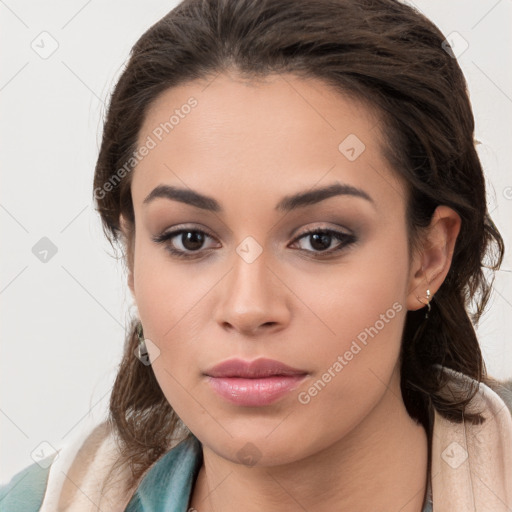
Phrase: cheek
x=363 y=311
x=167 y=292
x=168 y=297
x=171 y=300
x=364 y=294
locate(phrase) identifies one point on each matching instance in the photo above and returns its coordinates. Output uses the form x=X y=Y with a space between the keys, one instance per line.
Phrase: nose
x=254 y=299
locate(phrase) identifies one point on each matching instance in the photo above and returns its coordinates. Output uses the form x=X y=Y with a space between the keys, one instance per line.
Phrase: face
x=240 y=275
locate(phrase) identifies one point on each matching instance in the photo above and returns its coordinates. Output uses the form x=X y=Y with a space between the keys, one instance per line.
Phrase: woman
x=303 y=217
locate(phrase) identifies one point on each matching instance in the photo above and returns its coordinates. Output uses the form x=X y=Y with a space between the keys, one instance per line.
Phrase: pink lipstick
x=253 y=383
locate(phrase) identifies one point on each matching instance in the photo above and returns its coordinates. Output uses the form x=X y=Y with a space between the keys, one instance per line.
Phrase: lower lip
x=254 y=392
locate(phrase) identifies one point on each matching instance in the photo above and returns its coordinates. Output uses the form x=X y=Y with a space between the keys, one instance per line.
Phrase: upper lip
x=252 y=369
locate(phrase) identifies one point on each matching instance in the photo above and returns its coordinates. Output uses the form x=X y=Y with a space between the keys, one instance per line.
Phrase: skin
x=248 y=145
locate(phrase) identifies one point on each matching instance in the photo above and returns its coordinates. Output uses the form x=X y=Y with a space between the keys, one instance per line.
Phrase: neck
x=380 y=465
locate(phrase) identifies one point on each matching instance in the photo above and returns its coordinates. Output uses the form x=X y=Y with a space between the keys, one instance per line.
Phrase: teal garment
x=25 y=491
x=167 y=486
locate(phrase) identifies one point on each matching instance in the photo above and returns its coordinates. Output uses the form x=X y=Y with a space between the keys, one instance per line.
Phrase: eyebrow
x=288 y=203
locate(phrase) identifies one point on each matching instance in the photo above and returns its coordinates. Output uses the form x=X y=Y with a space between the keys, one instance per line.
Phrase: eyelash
x=345 y=240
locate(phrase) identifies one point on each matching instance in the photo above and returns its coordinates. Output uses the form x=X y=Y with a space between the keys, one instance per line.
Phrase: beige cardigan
x=471 y=464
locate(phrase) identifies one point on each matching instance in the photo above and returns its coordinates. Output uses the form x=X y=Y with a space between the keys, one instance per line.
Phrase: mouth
x=253 y=383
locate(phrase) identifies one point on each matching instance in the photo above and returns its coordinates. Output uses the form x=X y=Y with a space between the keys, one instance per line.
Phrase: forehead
x=277 y=134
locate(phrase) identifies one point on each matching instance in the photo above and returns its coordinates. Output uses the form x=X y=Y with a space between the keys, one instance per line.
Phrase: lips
x=253 y=383
x=258 y=368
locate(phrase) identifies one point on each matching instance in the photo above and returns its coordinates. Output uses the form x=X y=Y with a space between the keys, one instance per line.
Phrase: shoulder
x=56 y=482
x=25 y=491
x=76 y=475
x=504 y=390
x=465 y=453
x=493 y=393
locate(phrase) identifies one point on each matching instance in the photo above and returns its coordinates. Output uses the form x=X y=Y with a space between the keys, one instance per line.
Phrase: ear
x=432 y=262
x=123 y=224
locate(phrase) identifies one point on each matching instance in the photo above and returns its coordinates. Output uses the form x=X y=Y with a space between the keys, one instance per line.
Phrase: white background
x=62 y=322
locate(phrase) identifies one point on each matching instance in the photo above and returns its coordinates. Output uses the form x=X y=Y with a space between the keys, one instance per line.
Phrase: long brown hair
x=383 y=52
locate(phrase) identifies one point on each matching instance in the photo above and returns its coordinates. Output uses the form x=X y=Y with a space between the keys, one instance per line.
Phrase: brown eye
x=192 y=240
x=320 y=240
x=183 y=243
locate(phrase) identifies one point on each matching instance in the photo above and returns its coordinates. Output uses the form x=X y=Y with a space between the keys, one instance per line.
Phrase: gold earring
x=427 y=303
